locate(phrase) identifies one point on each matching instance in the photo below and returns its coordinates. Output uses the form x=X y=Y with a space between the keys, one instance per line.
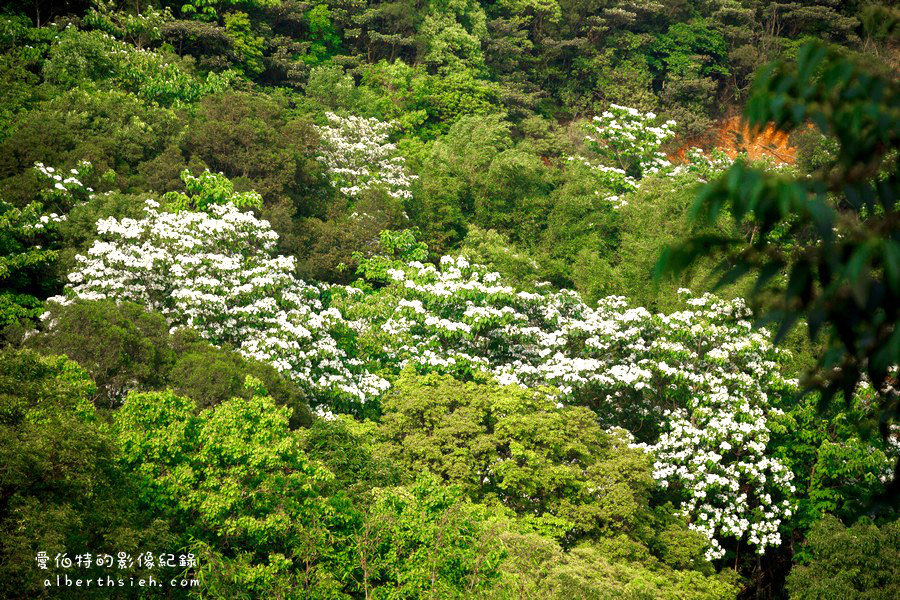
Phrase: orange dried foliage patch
x=734 y=136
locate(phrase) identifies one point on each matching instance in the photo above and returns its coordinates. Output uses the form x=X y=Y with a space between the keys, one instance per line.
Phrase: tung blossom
x=631 y=365
x=218 y=273
x=358 y=156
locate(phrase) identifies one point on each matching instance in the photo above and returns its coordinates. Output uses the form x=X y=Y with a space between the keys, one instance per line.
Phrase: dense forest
x=487 y=299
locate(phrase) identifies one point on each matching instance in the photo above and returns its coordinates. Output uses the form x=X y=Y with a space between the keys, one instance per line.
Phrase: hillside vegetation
x=439 y=299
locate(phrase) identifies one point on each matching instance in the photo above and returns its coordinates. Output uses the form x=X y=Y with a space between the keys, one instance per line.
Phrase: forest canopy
x=389 y=299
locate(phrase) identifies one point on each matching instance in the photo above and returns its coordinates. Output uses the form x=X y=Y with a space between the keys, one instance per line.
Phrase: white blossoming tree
x=626 y=138
x=706 y=166
x=358 y=156
x=218 y=273
x=63 y=190
x=626 y=147
x=714 y=452
x=613 y=183
x=695 y=385
x=30 y=240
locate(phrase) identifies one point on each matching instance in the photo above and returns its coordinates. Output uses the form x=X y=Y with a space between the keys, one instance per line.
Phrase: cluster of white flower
x=702 y=373
x=65 y=189
x=359 y=156
x=613 y=181
x=218 y=273
x=627 y=144
x=704 y=166
x=43 y=222
x=628 y=139
x=715 y=451
x=325 y=414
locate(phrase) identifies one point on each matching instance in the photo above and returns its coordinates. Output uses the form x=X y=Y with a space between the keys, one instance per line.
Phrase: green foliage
x=222 y=469
x=841 y=471
x=350 y=450
x=537 y=567
x=394 y=91
x=325 y=40
x=448 y=98
x=24 y=233
x=860 y=561
x=451 y=33
x=140 y=28
x=396 y=249
x=583 y=229
x=520 y=449
x=330 y=246
x=453 y=176
x=30 y=242
x=254 y=140
x=121 y=346
x=211 y=375
x=815 y=151
x=489 y=248
x=200 y=9
x=83 y=58
x=16 y=309
x=456 y=489
x=36 y=388
x=233 y=477
x=114 y=131
x=657 y=216
x=427 y=540
x=209 y=189
x=208 y=44
x=61 y=485
x=880 y=21
x=331 y=87
x=689 y=59
x=248 y=47
x=422 y=103
x=209 y=10
x=619 y=74
x=690 y=49
x=19 y=38
x=514 y=196
x=18 y=90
